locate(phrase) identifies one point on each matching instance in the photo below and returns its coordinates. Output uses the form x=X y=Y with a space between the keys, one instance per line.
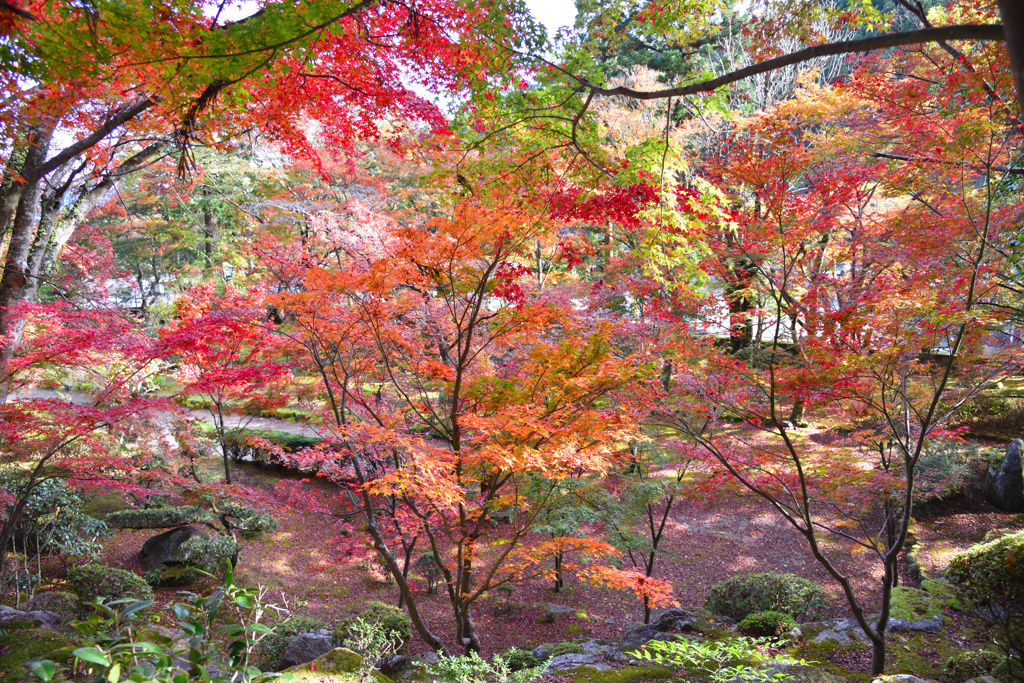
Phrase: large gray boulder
x=1005 y=488
x=573 y=661
x=306 y=647
x=164 y=550
x=671 y=620
x=9 y=617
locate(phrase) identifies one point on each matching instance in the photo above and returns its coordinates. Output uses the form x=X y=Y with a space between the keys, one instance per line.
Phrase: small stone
x=559 y=609
x=540 y=653
x=594 y=648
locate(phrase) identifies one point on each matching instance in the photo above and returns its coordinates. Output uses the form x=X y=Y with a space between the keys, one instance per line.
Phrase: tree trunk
x=796 y=415
x=558 y=572
x=1012 y=14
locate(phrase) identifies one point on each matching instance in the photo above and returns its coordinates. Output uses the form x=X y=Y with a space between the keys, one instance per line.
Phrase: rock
x=13 y=618
x=430 y=658
x=394 y=663
x=502 y=515
x=594 y=648
x=164 y=550
x=901 y=678
x=306 y=647
x=572 y=661
x=640 y=636
x=675 y=620
x=540 y=653
x=933 y=625
x=847 y=625
x=984 y=679
x=839 y=637
x=339 y=665
x=559 y=609
x=802 y=673
x=63 y=603
x=1005 y=488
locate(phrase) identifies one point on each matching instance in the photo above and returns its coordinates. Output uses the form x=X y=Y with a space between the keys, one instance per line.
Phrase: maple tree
x=460 y=394
x=46 y=438
x=99 y=91
x=219 y=343
x=860 y=258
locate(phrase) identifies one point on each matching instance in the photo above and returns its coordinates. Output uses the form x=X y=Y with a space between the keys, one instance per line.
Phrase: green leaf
x=92 y=654
x=137 y=606
x=43 y=669
x=115 y=673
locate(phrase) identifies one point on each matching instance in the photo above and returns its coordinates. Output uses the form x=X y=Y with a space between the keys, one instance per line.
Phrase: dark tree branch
x=943 y=162
x=932 y=35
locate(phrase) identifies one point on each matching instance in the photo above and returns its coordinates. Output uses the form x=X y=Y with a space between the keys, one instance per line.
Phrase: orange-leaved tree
x=460 y=394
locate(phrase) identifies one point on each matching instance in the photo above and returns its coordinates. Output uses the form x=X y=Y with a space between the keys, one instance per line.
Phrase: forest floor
x=706 y=541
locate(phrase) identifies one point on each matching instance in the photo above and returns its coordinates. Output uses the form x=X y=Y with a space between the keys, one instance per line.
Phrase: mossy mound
x=630 y=674
x=567 y=648
x=340 y=665
x=942 y=591
x=906 y=653
x=914 y=603
x=20 y=645
x=64 y=603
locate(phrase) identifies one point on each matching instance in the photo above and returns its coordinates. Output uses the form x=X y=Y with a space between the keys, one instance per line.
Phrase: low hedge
x=744 y=594
x=392 y=620
x=94 y=580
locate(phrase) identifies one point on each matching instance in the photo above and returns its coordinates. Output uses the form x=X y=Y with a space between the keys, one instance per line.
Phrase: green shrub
x=473 y=669
x=209 y=553
x=964 y=666
x=744 y=594
x=94 y=580
x=426 y=564
x=159 y=518
x=268 y=653
x=518 y=660
x=996 y=416
x=732 y=660
x=247 y=520
x=394 y=622
x=943 y=470
x=125 y=640
x=766 y=624
x=991 y=576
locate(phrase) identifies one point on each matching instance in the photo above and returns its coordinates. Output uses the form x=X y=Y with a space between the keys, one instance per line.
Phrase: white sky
x=552 y=13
